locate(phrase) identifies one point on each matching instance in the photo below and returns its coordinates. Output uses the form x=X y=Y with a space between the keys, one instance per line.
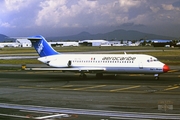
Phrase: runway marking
x=89 y=87
x=128 y=118
x=171 y=88
x=16 y=116
x=52 y=116
x=115 y=90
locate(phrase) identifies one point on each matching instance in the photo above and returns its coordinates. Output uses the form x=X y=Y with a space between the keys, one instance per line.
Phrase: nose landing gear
x=156 y=76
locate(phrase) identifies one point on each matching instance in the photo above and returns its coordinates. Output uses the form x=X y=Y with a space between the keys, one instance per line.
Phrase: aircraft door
x=140 y=65
x=69 y=63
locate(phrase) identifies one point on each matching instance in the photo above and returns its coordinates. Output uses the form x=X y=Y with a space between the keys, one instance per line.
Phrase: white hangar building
x=9 y=44
x=23 y=43
x=62 y=44
x=94 y=43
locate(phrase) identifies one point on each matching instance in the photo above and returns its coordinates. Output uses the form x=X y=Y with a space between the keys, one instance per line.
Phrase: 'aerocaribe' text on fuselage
x=119 y=58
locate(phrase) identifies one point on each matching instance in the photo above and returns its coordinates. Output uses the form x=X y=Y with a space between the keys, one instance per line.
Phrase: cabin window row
x=94 y=61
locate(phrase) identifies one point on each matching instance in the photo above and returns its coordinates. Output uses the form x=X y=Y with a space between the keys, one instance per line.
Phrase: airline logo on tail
x=40 y=47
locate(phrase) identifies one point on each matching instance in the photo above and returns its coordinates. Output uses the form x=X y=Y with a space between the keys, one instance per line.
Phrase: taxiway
x=133 y=96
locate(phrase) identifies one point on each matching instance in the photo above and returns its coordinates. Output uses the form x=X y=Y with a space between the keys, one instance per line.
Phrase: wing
x=83 y=69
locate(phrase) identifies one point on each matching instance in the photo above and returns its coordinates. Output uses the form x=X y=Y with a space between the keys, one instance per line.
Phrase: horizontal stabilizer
x=34 y=38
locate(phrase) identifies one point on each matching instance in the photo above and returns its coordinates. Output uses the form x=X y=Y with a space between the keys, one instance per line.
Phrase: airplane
x=97 y=63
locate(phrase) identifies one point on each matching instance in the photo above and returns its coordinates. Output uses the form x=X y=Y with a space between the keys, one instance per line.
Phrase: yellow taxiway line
x=173 y=71
x=89 y=87
x=127 y=88
x=171 y=88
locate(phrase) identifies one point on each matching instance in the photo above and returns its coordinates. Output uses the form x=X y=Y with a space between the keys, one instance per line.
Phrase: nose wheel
x=156 y=76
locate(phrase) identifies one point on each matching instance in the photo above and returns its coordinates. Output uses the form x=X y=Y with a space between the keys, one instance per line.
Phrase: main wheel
x=82 y=75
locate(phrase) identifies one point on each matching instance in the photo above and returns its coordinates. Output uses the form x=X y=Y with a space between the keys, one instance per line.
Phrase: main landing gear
x=98 y=75
x=83 y=75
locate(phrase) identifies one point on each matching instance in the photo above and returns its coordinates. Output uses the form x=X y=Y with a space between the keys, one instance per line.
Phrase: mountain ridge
x=113 y=35
x=119 y=34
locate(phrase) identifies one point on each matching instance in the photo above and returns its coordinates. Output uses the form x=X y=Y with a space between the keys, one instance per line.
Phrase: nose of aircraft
x=165 y=68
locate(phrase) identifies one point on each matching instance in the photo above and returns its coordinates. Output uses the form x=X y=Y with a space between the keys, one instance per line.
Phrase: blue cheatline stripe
x=41 y=46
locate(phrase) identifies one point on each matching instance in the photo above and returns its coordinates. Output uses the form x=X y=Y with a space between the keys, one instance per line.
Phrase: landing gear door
x=140 y=65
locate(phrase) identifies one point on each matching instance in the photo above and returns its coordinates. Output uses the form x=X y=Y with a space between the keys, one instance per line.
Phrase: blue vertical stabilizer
x=42 y=46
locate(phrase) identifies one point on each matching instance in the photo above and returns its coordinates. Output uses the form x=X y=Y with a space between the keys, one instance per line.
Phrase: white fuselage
x=111 y=63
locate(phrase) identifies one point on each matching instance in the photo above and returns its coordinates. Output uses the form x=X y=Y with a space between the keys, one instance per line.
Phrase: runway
x=104 y=113
x=134 y=96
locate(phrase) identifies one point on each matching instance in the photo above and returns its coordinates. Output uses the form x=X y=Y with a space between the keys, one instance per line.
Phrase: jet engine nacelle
x=56 y=63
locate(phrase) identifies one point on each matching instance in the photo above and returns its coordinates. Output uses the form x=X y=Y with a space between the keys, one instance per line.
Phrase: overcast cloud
x=68 y=17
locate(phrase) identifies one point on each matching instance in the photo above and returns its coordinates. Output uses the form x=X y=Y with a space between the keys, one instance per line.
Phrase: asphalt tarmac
x=126 y=96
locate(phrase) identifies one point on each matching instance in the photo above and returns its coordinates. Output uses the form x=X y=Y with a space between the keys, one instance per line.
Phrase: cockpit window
x=156 y=60
x=152 y=60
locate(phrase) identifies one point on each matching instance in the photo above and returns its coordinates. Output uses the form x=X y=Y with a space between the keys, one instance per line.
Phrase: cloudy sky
x=69 y=17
